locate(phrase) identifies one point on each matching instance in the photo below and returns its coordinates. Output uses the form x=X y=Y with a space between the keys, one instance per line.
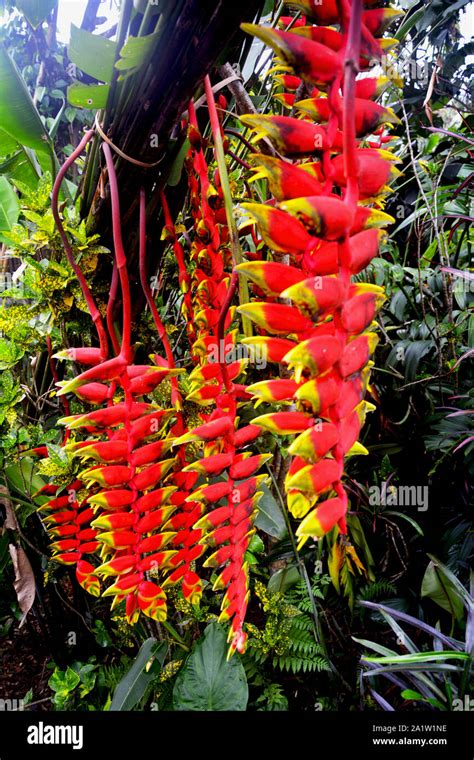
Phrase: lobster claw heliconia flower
x=329 y=319
x=163 y=492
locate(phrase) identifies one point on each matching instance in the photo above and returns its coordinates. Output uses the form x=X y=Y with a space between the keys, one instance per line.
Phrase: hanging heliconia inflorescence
x=314 y=320
x=230 y=492
x=127 y=507
x=171 y=489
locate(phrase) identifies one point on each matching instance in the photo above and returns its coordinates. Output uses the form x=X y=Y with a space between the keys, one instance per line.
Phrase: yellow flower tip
x=388 y=44
x=186 y=438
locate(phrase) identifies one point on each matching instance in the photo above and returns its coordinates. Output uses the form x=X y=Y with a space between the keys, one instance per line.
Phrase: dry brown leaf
x=24 y=583
x=11 y=522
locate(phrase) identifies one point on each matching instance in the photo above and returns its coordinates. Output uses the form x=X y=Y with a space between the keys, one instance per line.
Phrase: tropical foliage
x=224 y=242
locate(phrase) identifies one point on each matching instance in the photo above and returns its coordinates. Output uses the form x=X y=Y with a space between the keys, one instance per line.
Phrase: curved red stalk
x=234 y=281
x=144 y=282
x=110 y=309
x=149 y=296
x=95 y=314
x=183 y=275
x=120 y=257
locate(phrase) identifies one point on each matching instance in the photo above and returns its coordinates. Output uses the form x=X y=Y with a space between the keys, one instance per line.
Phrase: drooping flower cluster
x=314 y=320
x=229 y=495
x=126 y=444
x=165 y=486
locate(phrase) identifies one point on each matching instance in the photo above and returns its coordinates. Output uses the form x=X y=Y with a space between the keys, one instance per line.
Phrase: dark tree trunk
x=195 y=34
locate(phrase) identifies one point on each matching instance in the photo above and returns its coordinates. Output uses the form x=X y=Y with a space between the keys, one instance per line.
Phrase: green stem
x=228 y=202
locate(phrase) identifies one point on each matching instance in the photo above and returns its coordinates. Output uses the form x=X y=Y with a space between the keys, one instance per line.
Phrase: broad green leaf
x=284 y=579
x=135 y=682
x=437 y=586
x=408 y=23
x=270 y=517
x=91 y=53
x=93 y=96
x=10 y=354
x=136 y=51
x=256 y=545
x=18 y=115
x=415 y=696
x=64 y=682
x=8 y=144
x=9 y=206
x=208 y=681
x=19 y=169
x=269 y=7
x=36 y=11
x=415 y=351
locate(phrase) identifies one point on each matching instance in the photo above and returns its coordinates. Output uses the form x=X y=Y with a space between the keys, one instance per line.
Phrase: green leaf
x=9 y=206
x=101 y=634
x=409 y=519
x=177 y=167
x=64 y=682
x=419 y=658
x=283 y=579
x=36 y=11
x=374 y=646
x=408 y=23
x=18 y=115
x=7 y=144
x=414 y=353
x=209 y=681
x=135 y=682
x=437 y=586
x=20 y=169
x=55 y=125
x=91 y=53
x=270 y=517
x=415 y=696
x=93 y=96
x=256 y=545
x=57 y=454
x=464 y=594
x=10 y=353
x=136 y=51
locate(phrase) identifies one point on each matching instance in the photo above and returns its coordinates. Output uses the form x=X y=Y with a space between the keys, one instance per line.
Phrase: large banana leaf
x=19 y=167
x=36 y=11
x=91 y=53
x=7 y=144
x=18 y=115
x=9 y=207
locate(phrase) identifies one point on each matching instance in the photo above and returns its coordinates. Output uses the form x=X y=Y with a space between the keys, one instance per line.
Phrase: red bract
x=330 y=363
